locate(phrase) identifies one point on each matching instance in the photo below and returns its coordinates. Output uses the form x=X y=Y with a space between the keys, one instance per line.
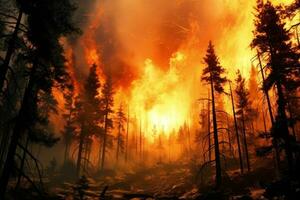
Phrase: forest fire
x=149 y=99
x=160 y=87
x=173 y=78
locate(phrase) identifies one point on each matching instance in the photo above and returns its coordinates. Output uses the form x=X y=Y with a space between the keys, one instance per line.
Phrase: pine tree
x=121 y=119
x=242 y=107
x=271 y=38
x=212 y=75
x=89 y=116
x=107 y=102
x=47 y=22
x=70 y=127
x=236 y=130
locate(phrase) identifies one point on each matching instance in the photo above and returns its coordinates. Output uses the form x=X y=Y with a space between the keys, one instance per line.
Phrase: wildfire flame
x=161 y=54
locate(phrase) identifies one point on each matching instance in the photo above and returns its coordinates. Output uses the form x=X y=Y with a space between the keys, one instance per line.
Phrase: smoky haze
x=124 y=33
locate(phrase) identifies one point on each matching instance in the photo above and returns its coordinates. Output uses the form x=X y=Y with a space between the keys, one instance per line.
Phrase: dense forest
x=139 y=99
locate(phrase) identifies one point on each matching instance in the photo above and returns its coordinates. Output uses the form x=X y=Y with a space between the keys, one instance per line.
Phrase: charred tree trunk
x=236 y=131
x=67 y=152
x=104 y=139
x=22 y=163
x=100 y=153
x=264 y=121
x=208 y=129
x=274 y=141
x=85 y=157
x=89 y=152
x=284 y=126
x=127 y=136
x=292 y=118
x=229 y=138
x=118 y=144
x=245 y=141
x=80 y=151
x=18 y=130
x=216 y=140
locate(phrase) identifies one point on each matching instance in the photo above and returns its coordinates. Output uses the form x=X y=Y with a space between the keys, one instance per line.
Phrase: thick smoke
x=127 y=32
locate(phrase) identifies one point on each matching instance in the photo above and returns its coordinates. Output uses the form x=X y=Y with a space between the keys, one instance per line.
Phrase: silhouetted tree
x=12 y=43
x=236 y=129
x=271 y=38
x=121 y=119
x=212 y=74
x=107 y=102
x=89 y=116
x=242 y=106
x=70 y=125
x=47 y=22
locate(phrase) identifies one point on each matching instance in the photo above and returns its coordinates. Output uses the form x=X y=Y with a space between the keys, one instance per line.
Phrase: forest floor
x=166 y=181
x=159 y=182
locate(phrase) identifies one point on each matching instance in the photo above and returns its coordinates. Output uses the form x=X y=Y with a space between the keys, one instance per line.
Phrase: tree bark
x=284 y=127
x=245 y=141
x=79 y=157
x=18 y=131
x=274 y=141
x=236 y=131
x=67 y=150
x=118 y=144
x=127 y=135
x=216 y=140
x=104 y=140
x=22 y=163
x=208 y=129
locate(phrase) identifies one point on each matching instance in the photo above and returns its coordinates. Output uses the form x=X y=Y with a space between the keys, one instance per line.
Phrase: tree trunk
x=284 y=127
x=208 y=129
x=85 y=157
x=79 y=157
x=104 y=142
x=264 y=121
x=189 y=141
x=22 y=163
x=274 y=141
x=30 y=94
x=127 y=135
x=9 y=163
x=236 y=131
x=141 y=139
x=10 y=51
x=4 y=142
x=89 y=152
x=245 y=141
x=229 y=138
x=100 y=153
x=118 y=145
x=216 y=140
x=67 y=150
x=292 y=117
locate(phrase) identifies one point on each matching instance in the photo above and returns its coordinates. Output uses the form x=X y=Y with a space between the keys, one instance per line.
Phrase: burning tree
x=212 y=74
x=272 y=39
